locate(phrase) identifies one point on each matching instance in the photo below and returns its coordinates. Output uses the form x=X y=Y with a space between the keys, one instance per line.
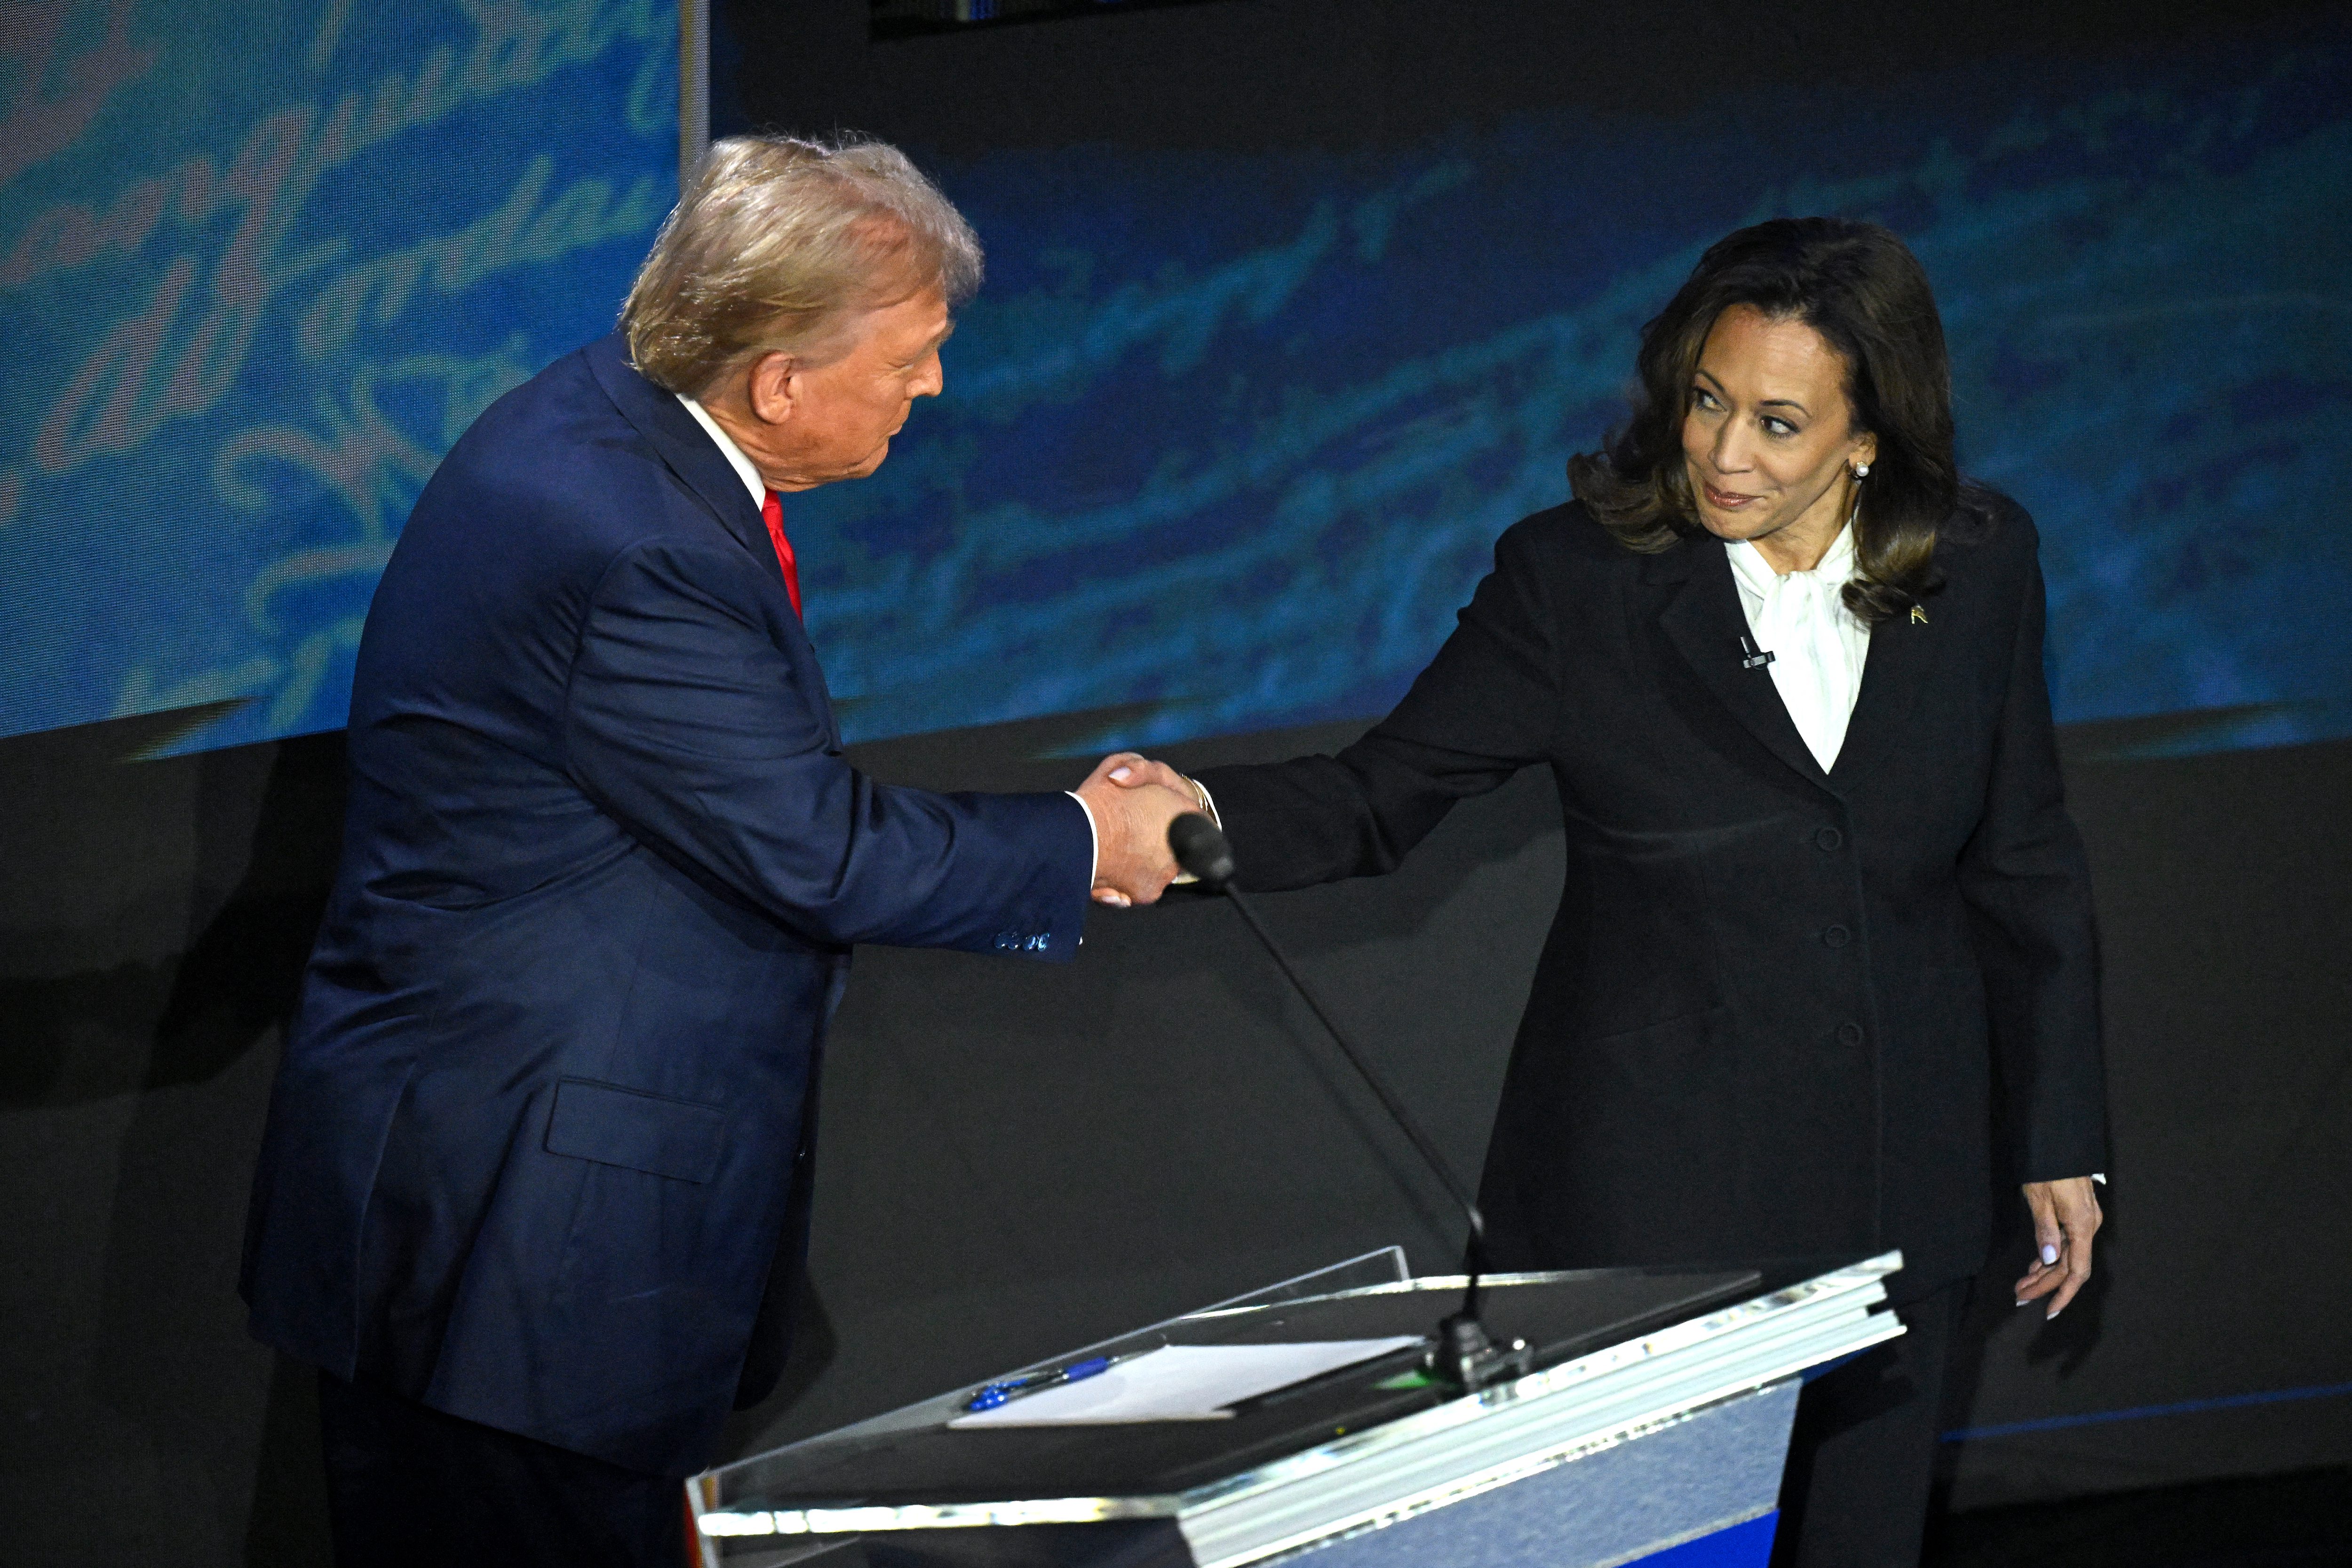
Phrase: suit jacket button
x=1849 y=1033
x=1836 y=936
x=1829 y=839
x=1008 y=942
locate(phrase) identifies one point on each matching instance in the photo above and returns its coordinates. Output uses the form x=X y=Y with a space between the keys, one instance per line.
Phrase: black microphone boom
x=1465 y=1354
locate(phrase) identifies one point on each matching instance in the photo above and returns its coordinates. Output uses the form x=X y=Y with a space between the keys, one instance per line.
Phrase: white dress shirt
x=745 y=470
x=1818 y=645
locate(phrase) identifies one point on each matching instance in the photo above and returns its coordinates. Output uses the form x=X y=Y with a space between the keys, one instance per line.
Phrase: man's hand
x=1133 y=809
x=2065 y=1216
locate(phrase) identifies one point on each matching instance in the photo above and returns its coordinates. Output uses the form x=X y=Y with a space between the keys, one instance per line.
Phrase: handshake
x=1132 y=800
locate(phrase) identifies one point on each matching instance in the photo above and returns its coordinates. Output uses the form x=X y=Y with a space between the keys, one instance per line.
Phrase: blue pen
x=996 y=1393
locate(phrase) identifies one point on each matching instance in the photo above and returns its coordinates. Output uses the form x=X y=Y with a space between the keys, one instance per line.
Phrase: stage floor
x=2299 y=1520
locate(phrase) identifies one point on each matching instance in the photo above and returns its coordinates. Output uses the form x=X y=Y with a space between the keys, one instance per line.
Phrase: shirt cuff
x=1094 y=838
x=1206 y=799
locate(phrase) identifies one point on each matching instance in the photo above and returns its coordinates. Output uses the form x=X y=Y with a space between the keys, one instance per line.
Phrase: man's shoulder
x=552 y=424
x=557 y=453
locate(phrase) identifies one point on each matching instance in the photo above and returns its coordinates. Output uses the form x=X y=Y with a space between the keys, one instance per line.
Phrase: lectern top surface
x=916 y=1459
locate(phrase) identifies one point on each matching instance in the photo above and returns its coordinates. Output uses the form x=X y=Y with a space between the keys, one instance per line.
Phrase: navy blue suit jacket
x=549 y=1091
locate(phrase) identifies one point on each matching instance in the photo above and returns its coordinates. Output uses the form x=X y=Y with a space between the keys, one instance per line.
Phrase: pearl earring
x=1862 y=470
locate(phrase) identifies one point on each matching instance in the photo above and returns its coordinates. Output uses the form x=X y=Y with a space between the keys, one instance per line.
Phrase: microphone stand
x=1464 y=1355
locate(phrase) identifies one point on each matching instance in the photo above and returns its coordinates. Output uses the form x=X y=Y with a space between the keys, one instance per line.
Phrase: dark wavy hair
x=1866 y=294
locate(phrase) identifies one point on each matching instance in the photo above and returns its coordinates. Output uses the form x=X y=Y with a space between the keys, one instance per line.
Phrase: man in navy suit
x=535 y=1182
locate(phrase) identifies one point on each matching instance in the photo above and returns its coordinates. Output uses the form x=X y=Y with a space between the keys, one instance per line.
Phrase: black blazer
x=1777 y=1006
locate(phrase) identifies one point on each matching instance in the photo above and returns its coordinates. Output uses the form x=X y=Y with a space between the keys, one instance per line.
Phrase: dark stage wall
x=1019 y=1158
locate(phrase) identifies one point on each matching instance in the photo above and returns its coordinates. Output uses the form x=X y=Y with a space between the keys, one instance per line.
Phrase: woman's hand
x=2065 y=1216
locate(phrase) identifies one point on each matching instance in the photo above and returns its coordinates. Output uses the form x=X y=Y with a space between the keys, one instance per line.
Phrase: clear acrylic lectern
x=1652 y=1430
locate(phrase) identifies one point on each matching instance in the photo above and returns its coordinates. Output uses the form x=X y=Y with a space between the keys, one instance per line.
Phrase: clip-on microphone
x=1464 y=1355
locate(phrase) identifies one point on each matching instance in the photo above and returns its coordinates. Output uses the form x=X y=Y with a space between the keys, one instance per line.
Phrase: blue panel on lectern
x=1748 y=1545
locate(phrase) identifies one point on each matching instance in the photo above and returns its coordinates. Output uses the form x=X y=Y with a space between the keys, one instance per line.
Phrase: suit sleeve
x=684 y=721
x=2028 y=887
x=1485 y=707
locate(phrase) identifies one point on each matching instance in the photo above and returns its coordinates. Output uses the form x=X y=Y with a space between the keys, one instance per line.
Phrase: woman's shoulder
x=1566 y=533
x=1988 y=553
x=1988 y=520
x=1561 y=557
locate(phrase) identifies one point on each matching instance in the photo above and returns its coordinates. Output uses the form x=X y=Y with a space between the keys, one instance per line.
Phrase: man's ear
x=774 y=387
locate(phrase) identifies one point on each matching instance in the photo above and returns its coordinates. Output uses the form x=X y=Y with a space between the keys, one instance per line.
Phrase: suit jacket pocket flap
x=649 y=1132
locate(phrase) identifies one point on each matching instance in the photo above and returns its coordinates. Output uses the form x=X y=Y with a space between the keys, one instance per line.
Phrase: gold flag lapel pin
x=1919 y=615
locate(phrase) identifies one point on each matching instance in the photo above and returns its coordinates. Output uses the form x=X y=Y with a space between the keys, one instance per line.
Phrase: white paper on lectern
x=1182 y=1383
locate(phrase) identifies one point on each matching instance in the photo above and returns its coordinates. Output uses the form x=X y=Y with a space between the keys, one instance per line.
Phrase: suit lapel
x=1704 y=620
x=1902 y=654
x=690 y=454
x=683 y=446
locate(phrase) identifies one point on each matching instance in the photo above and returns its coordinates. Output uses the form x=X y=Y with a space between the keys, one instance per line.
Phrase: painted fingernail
x=2049 y=1254
x=2053 y=1314
x=1120 y=773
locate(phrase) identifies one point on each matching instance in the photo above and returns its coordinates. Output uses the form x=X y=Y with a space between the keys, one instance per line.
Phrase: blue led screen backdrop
x=1232 y=436
x=258 y=266
x=1228 y=438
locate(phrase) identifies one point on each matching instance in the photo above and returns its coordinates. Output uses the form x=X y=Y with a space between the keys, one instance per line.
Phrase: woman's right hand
x=2066 y=1215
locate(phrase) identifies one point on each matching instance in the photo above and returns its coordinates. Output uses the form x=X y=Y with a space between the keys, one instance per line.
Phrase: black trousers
x=1861 y=1460
x=408 y=1486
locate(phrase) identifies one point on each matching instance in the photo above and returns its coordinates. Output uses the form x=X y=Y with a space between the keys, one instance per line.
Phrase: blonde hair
x=777 y=244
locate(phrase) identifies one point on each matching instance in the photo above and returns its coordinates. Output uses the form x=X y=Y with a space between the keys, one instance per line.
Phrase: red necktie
x=774 y=513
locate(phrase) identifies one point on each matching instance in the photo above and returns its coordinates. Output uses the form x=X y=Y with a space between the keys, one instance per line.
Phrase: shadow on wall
x=203 y=1009
x=156 y=920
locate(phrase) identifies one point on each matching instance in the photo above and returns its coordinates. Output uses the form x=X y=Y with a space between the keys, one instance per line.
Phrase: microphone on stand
x=1464 y=1355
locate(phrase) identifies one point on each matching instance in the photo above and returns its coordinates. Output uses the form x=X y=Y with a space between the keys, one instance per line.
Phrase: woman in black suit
x=1826 y=919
